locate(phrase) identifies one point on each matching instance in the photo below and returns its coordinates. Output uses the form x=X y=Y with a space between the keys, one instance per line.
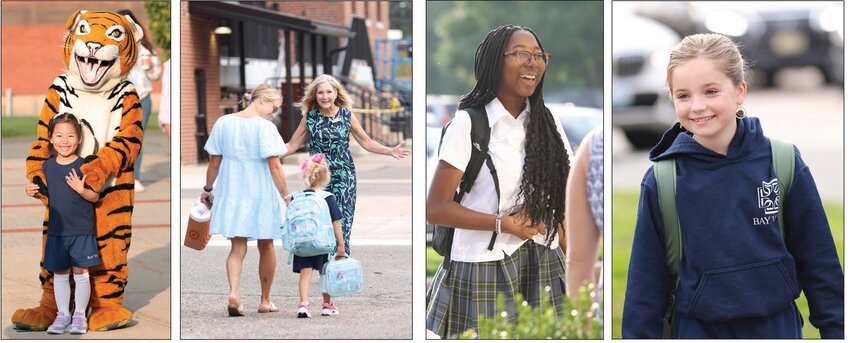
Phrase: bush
x=582 y=320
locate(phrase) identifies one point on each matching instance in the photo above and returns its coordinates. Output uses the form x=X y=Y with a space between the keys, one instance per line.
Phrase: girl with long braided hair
x=529 y=151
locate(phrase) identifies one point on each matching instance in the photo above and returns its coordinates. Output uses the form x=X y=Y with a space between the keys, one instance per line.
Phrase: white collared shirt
x=507 y=149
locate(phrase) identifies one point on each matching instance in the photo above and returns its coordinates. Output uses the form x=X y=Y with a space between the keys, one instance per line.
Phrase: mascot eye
x=83 y=28
x=115 y=33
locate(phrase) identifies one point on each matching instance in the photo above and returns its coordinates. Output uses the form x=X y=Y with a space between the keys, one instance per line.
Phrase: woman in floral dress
x=328 y=122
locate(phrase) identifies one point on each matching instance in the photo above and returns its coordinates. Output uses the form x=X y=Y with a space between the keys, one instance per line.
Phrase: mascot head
x=100 y=49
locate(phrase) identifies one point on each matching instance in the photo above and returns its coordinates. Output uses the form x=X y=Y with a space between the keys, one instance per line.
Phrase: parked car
x=640 y=101
x=441 y=110
x=784 y=34
x=577 y=121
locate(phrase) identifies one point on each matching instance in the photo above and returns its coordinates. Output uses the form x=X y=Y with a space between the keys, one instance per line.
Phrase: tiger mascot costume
x=100 y=49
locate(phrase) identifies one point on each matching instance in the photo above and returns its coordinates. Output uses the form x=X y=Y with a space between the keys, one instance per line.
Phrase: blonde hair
x=712 y=46
x=308 y=102
x=317 y=175
x=263 y=91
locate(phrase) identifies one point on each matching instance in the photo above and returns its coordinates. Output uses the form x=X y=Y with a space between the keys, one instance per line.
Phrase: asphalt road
x=382 y=311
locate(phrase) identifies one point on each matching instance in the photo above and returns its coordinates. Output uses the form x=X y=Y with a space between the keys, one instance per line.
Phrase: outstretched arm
x=372 y=146
x=119 y=153
x=297 y=137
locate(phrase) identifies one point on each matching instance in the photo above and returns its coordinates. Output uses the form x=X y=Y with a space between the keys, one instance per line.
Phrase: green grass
x=18 y=126
x=624 y=206
x=25 y=126
x=432 y=261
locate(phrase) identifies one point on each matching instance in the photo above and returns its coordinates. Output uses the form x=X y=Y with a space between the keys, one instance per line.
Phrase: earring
x=741 y=112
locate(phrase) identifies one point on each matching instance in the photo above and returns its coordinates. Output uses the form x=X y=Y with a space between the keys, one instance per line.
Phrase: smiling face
x=65 y=139
x=706 y=100
x=325 y=95
x=520 y=78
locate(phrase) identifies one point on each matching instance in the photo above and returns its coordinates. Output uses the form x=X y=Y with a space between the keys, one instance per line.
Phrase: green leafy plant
x=582 y=319
x=159 y=14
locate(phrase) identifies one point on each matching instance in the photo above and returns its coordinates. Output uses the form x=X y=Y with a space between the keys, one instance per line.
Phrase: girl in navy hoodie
x=738 y=275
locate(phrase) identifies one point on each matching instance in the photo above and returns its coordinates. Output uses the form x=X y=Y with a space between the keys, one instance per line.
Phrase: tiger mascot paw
x=36 y=318
x=108 y=318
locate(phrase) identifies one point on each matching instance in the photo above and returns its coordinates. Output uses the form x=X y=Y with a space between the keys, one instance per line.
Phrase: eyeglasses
x=525 y=57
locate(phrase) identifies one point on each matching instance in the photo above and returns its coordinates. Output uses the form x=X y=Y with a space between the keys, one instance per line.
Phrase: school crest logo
x=768 y=195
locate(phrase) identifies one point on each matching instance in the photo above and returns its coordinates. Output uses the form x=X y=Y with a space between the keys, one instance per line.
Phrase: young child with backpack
x=316 y=176
x=739 y=237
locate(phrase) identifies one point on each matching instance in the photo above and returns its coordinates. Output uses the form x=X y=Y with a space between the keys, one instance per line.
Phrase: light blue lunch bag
x=342 y=277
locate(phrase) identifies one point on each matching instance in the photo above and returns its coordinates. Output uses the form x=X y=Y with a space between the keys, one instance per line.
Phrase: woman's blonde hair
x=712 y=46
x=263 y=91
x=308 y=102
x=317 y=175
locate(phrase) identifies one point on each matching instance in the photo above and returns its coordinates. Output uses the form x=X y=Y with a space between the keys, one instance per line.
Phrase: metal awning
x=237 y=11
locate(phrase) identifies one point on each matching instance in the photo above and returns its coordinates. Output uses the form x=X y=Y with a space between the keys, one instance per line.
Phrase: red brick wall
x=340 y=13
x=32 y=57
x=198 y=49
x=329 y=12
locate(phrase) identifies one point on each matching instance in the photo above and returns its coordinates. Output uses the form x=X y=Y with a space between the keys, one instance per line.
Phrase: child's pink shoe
x=329 y=310
x=304 y=309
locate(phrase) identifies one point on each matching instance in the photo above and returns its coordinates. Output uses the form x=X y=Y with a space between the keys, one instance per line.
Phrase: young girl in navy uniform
x=71 y=243
x=530 y=154
x=316 y=177
x=738 y=276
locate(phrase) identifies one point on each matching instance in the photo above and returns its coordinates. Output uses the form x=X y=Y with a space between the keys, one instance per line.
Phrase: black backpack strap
x=481 y=154
x=480 y=139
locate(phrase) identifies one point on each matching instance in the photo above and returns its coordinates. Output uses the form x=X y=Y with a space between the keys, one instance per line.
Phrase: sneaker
x=304 y=310
x=329 y=310
x=60 y=324
x=138 y=187
x=78 y=324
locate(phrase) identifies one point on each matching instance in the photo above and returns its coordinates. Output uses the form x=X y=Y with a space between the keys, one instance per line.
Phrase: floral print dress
x=330 y=135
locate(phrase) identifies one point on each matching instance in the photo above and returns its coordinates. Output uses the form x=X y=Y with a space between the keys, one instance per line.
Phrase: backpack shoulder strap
x=665 y=180
x=323 y=193
x=782 y=155
x=480 y=139
x=480 y=135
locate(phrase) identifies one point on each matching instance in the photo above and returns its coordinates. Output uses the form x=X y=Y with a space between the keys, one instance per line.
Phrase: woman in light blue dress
x=244 y=150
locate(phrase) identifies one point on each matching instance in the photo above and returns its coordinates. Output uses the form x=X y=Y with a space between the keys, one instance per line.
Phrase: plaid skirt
x=456 y=298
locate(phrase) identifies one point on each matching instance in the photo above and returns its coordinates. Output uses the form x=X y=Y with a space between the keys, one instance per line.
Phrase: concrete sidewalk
x=148 y=292
x=381 y=239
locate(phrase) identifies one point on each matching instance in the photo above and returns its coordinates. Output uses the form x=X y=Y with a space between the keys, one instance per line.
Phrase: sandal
x=235 y=310
x=271 y=308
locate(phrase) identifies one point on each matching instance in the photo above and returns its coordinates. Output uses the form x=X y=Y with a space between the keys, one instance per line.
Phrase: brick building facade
x=198 y=49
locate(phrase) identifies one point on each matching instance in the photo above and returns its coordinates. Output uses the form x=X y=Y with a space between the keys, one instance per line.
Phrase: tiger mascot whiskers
x=99 y=51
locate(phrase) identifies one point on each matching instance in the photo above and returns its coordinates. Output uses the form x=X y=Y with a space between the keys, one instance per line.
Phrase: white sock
x=62 y=292
x=82 y=292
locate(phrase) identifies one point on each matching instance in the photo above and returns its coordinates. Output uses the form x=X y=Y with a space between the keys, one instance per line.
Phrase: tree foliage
x=159 y=14
x=572 y=31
